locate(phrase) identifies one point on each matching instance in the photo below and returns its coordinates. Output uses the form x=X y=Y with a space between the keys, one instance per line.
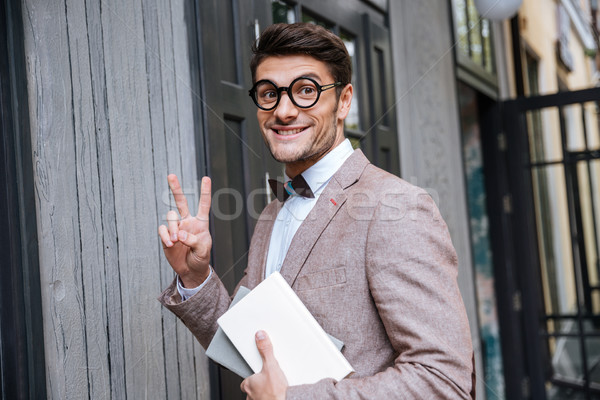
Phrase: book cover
x=223 y=352
x=304 y=351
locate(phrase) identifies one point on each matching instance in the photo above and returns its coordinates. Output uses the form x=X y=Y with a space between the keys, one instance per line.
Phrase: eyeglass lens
x=302 y=91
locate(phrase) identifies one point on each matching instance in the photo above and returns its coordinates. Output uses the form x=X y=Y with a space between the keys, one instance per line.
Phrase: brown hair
x=304 y=38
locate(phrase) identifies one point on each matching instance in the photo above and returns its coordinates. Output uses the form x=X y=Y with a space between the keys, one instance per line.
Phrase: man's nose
x=286 y=110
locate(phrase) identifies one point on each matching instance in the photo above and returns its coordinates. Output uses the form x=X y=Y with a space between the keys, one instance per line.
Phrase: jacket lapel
x=329 y=203
x=260 y=242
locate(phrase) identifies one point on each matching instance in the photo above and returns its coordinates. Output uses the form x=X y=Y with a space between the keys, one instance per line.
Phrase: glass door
x=554 y=155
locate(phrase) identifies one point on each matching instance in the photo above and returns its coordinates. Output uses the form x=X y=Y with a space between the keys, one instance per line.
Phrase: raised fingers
x=180 y=200
x=205 y=198
x=165 y=238
x=173 y=225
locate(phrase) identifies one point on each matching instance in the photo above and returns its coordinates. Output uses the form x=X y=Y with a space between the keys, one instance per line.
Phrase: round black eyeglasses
x=303 y=92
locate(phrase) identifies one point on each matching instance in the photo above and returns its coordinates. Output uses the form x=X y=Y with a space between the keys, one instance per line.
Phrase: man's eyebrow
x=310 y=75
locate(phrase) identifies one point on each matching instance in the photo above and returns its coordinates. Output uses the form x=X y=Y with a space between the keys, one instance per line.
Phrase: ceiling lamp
x=497 y=10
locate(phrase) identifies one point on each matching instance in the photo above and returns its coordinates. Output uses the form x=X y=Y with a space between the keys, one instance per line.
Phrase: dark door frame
x=500 y=222
x=22 y=364
x=509 y=206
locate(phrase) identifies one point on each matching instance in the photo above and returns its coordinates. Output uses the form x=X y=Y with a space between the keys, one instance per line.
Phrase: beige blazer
x=375 y=265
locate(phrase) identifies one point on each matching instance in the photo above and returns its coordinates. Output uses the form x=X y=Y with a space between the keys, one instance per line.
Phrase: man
x=367 y=253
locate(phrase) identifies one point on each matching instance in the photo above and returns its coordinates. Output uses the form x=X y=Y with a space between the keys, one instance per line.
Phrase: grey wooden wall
x=111 y=107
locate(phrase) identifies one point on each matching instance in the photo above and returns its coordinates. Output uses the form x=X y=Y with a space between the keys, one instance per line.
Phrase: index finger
x=205 y=199
x=180 y=200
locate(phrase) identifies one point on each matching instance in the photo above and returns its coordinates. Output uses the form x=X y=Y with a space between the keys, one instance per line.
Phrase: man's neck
x=296 y=168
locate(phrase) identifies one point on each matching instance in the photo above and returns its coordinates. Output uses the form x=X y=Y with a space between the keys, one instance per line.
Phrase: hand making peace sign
x=186 y=241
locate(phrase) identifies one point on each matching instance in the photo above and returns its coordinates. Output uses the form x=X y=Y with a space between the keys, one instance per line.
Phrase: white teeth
x=289 y=132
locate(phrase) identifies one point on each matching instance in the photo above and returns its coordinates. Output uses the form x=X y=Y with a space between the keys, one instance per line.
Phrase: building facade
x=101 y=100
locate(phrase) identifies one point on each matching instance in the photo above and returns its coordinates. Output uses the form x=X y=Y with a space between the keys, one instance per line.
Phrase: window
x=283 y=13
x=474 y=35
x=474 y=48
x=313 y=19
x=353 y=119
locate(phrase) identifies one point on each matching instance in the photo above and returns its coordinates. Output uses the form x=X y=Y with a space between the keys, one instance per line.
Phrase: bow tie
x=296 y=186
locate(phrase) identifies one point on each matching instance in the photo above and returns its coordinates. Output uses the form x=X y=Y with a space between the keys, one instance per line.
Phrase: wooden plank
x=190 y=129
x=53 y=146
x=162 y=113
x=135 y=205
x=202 y=374
x=192 y=361
x=109 y=229
x=89 y=203
x=100 y=292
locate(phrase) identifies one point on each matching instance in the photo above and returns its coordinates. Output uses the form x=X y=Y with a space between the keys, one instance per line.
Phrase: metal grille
x=555 y=149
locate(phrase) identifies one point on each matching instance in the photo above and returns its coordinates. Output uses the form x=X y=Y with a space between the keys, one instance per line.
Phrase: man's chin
x=286 y=158
x=294 y=158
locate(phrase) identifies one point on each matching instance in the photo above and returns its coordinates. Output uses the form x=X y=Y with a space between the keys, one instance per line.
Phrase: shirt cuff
x=186 y=293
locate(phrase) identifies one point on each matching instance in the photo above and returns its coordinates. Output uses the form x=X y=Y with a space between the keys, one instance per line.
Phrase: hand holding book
x=270 y=382
x=304 y=351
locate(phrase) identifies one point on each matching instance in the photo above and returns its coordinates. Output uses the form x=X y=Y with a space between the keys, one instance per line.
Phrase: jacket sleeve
x=200 y=312
x=411 y=267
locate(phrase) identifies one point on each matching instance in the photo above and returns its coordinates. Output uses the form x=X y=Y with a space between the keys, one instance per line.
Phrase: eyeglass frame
x=320 y=88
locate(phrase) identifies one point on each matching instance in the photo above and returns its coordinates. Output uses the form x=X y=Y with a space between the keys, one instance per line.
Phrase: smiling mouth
x=288 y=132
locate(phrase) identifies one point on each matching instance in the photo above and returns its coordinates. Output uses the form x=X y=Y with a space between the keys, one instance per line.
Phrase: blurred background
x=491 y=105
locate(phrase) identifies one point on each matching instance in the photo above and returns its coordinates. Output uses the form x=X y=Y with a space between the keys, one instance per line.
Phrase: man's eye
x=307 y=91
x=269 y=95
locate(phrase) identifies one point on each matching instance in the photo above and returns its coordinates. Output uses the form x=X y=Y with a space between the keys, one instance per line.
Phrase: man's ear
x=344 y=102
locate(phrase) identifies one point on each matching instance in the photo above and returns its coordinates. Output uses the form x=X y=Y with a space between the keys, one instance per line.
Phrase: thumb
x=189 y=239
x=264 y=346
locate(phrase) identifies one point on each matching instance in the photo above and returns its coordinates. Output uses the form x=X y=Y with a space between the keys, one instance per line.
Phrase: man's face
x=299 y=137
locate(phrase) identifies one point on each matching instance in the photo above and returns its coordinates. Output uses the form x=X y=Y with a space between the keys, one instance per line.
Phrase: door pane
x=353 y=119
x=554 y=239
x=566 y=358
x=486 y=38
x=461 y=24
x=545 y=143
x=229 y=57
x=574 y=128
x=314 y=19
x=595 y=202
x=568 y=364
x=589 y=231
x=475 y=38
x=282 y=12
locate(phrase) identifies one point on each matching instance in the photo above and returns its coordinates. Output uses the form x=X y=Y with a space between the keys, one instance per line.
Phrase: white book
x=223 y=352
x=304 y=351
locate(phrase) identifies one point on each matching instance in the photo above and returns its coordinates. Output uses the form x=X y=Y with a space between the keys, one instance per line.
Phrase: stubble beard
x=308 y=153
